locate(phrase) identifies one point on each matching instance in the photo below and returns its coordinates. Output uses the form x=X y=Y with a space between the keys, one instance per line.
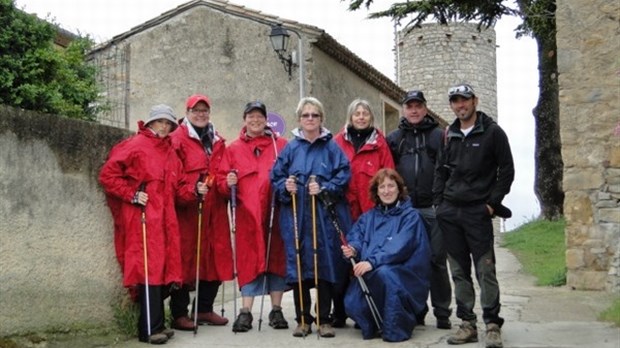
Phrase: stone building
x=588 y=41
x=434 y=57
x=224 y=51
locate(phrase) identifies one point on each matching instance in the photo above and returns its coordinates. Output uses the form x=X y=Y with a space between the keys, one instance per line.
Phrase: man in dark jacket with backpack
x=415 y=146
x=474 y=173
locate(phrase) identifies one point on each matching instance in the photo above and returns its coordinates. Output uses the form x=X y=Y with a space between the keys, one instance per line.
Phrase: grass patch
x=540 y=247
x=126 y=314
x=612 y=313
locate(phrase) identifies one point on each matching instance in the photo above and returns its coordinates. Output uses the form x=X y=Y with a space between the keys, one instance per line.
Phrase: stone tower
x=434 y=57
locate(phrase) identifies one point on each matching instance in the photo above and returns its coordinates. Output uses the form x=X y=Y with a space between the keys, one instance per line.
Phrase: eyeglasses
x=201 y=111
x=310 y=115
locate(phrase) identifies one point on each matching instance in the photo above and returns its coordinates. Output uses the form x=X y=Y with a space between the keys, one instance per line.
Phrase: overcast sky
x=372 y=40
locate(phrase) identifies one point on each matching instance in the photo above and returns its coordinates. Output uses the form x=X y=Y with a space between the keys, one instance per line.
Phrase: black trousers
x=468 y=232
x=179 y=299
x=441 y=289
x=157 y=294
x=325 y=291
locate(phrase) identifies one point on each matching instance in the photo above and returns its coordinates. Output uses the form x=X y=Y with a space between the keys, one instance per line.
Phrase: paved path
x=535 y=318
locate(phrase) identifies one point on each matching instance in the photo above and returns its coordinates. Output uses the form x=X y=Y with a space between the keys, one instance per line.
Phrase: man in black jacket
x=474 y=173
x=414 y=146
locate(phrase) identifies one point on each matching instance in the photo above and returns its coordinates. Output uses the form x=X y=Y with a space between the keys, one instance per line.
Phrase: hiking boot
x=465 y=334
x=168 y=332
x=243 y=322
x=326 y=330
x=210 y=318
x=158 y=338
x=183 y=323
x=276 y=319
x=493 y=337
x=302 y=330
x=444 y=324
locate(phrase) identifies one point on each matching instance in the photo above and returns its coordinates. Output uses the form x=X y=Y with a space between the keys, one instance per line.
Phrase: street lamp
x=279 y=37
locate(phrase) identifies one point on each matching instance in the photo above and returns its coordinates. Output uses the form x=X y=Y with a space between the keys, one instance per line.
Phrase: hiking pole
x=316 y=262
x=268 y=252
x=142 y=188
x=233 y=219
x=199 y=235
x=374 y=310
x=262 y=300
x=296 y=230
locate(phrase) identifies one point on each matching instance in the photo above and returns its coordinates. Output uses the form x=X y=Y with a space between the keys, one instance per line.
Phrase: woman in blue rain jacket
x=390 y=246
x=312 y=152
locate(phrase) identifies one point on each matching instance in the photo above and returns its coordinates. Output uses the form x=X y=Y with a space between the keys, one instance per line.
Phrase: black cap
x=414 y=95
x=255 y=105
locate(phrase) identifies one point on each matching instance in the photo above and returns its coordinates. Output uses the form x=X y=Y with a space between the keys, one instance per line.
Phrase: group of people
x=368 y=221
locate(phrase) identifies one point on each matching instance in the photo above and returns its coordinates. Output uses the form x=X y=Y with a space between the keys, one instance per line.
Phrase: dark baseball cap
x=414 y=95
x=255 y=105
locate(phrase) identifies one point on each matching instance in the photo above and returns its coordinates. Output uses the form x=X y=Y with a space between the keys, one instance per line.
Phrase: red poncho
x=253 y=159
x=149 y=159
x=215 y=248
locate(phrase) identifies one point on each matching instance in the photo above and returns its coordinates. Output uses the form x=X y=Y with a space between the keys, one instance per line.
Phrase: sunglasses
x=310 y=116
x=460 y=90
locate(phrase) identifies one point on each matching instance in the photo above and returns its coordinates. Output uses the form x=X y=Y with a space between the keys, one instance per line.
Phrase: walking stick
x=262 y=300
x=268 y=252
x=374 y=310
x=200 y=200
x=233 y=218
x=316 y=262
x=142 y=188
x=296 y=230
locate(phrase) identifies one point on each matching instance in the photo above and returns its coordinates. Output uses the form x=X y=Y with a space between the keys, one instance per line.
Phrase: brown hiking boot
x=465 y=334
x=326 y=330
x=211 y=318
x=183 y=323
x=302 y=330
x=493 y=337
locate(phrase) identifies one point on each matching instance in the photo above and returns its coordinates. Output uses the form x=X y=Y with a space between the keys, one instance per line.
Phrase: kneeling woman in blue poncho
x=392 y=254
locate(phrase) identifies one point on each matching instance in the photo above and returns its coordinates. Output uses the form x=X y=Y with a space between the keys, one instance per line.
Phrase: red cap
x=194 y=99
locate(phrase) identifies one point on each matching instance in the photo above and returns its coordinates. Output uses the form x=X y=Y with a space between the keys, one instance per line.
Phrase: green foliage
x=539 y=245
x=486 y=12
x=612 y=313
x=36 y=75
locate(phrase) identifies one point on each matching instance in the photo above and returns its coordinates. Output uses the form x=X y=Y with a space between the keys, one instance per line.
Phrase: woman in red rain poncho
x=143 y=173
x=247 y=164
x=200 y=149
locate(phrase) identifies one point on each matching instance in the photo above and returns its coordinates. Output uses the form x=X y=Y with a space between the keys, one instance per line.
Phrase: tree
x=539 y=22
x=36 y=75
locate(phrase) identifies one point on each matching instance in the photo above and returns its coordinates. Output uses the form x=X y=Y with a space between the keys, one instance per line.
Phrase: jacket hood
x=397 y=209
x=325 y=134
x=483 y=121
x=427 y=123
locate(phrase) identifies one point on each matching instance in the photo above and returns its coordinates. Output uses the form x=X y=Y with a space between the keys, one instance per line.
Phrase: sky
x=371 y=39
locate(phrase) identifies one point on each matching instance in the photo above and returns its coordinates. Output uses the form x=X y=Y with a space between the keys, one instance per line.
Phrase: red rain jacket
x=372 y=156
x=146 y=158
x=215 y=248
x=254 y=199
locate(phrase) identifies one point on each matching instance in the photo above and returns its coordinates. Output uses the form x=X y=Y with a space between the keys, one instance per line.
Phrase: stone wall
x=58 y=268
x=434 y=57
x=588 y=41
